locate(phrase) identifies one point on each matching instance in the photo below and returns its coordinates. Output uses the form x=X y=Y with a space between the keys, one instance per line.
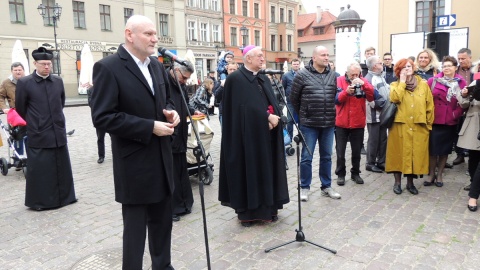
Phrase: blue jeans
x=324 y=136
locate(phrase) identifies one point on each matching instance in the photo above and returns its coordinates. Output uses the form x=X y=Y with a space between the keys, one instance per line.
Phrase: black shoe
x=459 y=160
x=247 y=223
x=397 y=189
x=430 y=183
x=412 y=189
x=175 y=218
x=100 y=160
x=467 y=187
x=357 y=179
x=381 y=167
x=341 y=180
x=274 y=218
x=472 y=208
x=373 y=168
x=448 y=165
x=439 y=184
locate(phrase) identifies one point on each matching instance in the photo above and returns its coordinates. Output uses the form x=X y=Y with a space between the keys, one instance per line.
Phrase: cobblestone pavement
x=370 y=227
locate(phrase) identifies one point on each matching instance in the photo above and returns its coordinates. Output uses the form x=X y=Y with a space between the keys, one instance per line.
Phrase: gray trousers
x=376 y=145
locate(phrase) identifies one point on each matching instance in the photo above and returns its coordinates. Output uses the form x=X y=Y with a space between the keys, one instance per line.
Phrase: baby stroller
x=205 y=170
x=16 y=134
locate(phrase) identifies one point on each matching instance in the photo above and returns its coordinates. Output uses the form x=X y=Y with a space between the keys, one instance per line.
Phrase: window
x=300 y=33
x=272 y=42
x=319 y=31
x=233 y=36
x=79 y=14
x=162 y=25
x=256 y=10
x=257 y=37
x=281 y=43
x=232 y=6
x=290 y=16
x=272 y=14
x=203 y=4
x=127 y=13
x=48 y=19
x=245 y=8
x=17 y=11
x=105 y=23
x=289 y=43
x=245 y=39
x=191 y=3
x=282 y=11
x=203 y=32
x=191 y=31
x=216 y=33
x=423 y=16
x=215 y=5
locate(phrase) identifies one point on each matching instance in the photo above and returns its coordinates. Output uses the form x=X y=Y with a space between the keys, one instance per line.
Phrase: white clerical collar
x=44 y=77
x=254 y=72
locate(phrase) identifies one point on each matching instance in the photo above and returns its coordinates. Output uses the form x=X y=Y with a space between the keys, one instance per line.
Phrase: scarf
x=411 y=83
x=452 y=84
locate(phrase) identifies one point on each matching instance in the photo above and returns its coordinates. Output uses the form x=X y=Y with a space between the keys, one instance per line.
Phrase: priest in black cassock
x=253 y=179
x=40 y=98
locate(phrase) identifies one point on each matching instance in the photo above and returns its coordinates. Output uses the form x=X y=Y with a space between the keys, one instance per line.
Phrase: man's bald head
x=140 y=36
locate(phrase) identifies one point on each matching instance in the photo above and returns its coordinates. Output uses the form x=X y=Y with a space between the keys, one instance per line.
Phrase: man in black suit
x=132 y=103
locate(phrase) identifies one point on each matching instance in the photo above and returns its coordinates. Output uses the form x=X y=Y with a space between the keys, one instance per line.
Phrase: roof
x=307 y=22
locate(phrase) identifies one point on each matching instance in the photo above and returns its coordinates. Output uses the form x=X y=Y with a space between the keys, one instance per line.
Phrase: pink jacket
x=446 y=113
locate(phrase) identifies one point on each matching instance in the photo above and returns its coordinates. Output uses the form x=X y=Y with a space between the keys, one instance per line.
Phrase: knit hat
x=248 y=48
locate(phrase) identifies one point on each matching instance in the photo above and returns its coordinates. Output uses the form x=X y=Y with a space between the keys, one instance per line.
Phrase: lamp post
x=57 y=11
x=244 y=33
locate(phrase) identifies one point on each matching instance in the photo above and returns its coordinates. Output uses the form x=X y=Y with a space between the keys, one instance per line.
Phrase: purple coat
x=446 y=112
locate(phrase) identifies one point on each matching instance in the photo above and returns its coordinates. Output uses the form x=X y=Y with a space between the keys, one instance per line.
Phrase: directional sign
x=446 y=20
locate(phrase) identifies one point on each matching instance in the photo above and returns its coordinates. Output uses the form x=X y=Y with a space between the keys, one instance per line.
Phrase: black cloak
x=252 y=178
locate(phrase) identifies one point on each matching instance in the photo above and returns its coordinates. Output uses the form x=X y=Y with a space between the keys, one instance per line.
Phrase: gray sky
x=332 y=5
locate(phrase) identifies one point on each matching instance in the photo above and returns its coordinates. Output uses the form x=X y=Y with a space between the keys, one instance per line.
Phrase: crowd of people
x=143 y=106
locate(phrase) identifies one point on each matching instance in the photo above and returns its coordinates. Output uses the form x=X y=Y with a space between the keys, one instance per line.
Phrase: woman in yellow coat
x=407 y=146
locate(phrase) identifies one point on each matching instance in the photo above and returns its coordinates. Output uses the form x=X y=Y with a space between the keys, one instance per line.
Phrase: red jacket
x=351 y=111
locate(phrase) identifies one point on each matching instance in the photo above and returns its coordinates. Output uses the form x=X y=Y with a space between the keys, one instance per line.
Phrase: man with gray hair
x=8 y=86
x=350 y=120
x=252 y=179
x=377 y=135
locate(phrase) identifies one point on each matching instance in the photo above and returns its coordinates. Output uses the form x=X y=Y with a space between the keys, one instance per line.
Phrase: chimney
x=319 y=13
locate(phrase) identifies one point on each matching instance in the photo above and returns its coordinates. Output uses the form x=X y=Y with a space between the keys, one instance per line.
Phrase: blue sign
x=446 y=20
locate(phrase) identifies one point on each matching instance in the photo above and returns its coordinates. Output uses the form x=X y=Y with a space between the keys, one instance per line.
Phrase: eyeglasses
x=183 y=76
x=387 y=59
x=45 y=64
x=447 y=66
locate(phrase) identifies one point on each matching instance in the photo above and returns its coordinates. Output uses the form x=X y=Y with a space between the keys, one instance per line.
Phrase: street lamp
x=57 y=11
x=244 y=33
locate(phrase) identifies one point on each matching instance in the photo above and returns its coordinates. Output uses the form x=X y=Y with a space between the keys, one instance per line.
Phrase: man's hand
x=163 y=128
x=273 y=121
x=464 y=92
x=198 y=113
x=172 y=117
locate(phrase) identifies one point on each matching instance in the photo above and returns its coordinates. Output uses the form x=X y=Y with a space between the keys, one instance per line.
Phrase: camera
x=358 y=93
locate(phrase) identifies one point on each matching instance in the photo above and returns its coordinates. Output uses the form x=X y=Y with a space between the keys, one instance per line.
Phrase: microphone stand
x=300 y=236
x=198 y=151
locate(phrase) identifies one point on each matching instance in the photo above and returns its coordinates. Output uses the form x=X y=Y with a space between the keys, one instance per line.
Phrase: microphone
x=284 y=119
x=175 y=58
x=270 y=71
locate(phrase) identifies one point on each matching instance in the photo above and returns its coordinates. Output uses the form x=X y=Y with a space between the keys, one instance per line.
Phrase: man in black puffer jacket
x=313 y=98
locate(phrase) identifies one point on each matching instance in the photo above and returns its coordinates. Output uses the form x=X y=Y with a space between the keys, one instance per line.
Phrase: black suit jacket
x=124 y=106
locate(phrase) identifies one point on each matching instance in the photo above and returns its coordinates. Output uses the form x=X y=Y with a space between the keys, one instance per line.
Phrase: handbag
x=388 y=115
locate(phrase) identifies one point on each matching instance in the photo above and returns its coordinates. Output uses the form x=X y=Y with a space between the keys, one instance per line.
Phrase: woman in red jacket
x=445 y=86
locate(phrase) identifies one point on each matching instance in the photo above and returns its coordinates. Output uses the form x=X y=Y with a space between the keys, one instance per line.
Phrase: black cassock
x=49 y=173
x=252 y=179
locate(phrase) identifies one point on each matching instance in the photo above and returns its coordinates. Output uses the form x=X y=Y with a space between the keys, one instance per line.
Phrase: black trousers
x=101 y=143
x=473 y=160
x=157 y=218
x=342 y=135
x=376 y=144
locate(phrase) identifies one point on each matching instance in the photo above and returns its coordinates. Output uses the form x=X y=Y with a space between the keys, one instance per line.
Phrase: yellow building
x=416 y=16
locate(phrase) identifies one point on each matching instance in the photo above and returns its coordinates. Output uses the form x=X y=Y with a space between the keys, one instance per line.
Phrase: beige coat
x=7 y=91
x=467 y=137
x=407 y=145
